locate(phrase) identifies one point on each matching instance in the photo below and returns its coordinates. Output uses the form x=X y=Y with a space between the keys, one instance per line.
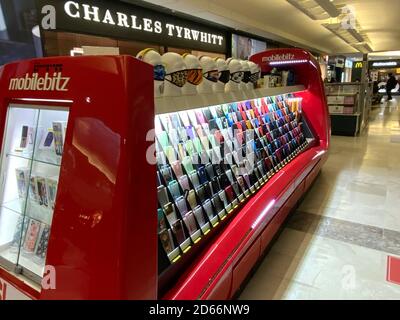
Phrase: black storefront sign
x=124 y=21
x=384 y=64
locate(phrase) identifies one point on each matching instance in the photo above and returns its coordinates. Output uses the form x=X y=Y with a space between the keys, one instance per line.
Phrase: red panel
x=311 y=177
x=222 y=289
x=393 y=270
x=246 y=263
x=98 y=228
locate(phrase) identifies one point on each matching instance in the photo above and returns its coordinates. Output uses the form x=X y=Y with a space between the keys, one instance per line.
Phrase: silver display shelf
x=188 y=102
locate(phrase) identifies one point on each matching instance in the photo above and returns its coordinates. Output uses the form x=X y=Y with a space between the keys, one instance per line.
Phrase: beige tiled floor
x=360 y=183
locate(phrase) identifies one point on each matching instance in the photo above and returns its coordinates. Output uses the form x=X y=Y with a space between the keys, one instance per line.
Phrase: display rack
x=349 y=105
x=103 y=243
x=218 y=270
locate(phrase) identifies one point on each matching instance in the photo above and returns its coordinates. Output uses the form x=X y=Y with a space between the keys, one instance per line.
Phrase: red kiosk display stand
x=76 y=178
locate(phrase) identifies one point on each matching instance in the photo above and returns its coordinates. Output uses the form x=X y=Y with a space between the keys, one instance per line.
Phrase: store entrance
x=382 y=76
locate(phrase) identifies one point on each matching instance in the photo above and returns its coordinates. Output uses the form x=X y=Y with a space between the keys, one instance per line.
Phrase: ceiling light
x=363 y=47
x=316 y=9
x=329 y=7
x=350 y=36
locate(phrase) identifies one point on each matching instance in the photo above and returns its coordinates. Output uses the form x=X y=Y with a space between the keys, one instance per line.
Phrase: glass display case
x=349 y=105
x=30 y=167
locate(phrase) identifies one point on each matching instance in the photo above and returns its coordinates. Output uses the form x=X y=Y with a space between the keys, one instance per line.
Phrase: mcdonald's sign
x=358 y=65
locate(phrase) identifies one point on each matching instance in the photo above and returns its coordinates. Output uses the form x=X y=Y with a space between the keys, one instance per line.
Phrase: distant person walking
x=390 y=85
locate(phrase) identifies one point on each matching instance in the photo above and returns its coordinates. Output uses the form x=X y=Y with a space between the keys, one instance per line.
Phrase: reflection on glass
x=30 y=167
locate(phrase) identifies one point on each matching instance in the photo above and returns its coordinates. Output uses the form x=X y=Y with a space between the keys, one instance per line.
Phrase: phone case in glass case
x=32 y=150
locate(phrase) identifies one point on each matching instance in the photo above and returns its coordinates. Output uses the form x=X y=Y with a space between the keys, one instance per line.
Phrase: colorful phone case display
x=212 y=159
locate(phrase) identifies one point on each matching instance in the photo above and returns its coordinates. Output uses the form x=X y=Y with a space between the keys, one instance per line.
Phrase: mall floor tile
x=337 y=243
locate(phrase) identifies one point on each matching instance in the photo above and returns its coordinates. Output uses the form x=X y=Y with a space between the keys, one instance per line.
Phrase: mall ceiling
x=280 y=20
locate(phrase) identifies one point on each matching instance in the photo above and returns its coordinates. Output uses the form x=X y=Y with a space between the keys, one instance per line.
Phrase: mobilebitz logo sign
x=48 y=82
x=279 y=57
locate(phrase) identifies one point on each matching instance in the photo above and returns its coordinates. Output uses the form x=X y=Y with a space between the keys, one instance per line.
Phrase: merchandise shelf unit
x=349 y=106
x=103 y=242
x=219 y=268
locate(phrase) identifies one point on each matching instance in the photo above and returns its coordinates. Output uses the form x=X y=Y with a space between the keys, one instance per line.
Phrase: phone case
x=208 y=209
x=218 y=205
x=184 y=117
x=223 y=197
x=161 y=158
x=191 y=198
x=199 y=131
x=210 y=171
x=162 y=138
x=229 y=194
x=170 y=213
x=207 y=114
x=202 y=175
x=42 y=191
x=170 y=153
x=167 y=174
x=33 y=189
x=198 y=213
x=189 y=147
x=31 y=235
x=51 y=187
x=43 y=241
x=236 y=189
x=194 y=179
x=204 y=158
x=179 y=231
x=214 y=185
x=247 y=180
x=181 y=205
x=196 y=161
x=201 y=194
x=166 y=241
x=174 y=189
x=187 y=164
x=190 y=222
x=223 y=181
x=162 y=223
x=177 y=168
x=184 y=182
x=173 y=136
x=190 y=132
x=22 y=175
x=175 y=120
x=182 y=134
x=197 y=145
x=159 y=179
x=162 y=195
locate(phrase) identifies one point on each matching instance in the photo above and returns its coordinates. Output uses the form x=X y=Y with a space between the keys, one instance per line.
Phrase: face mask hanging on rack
x=246 y=76
x=178 y=78
x=159 y=72
x=195 y=76
x=224 y=76
x=254 y=77
x=237 y=76
x=212 y=75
